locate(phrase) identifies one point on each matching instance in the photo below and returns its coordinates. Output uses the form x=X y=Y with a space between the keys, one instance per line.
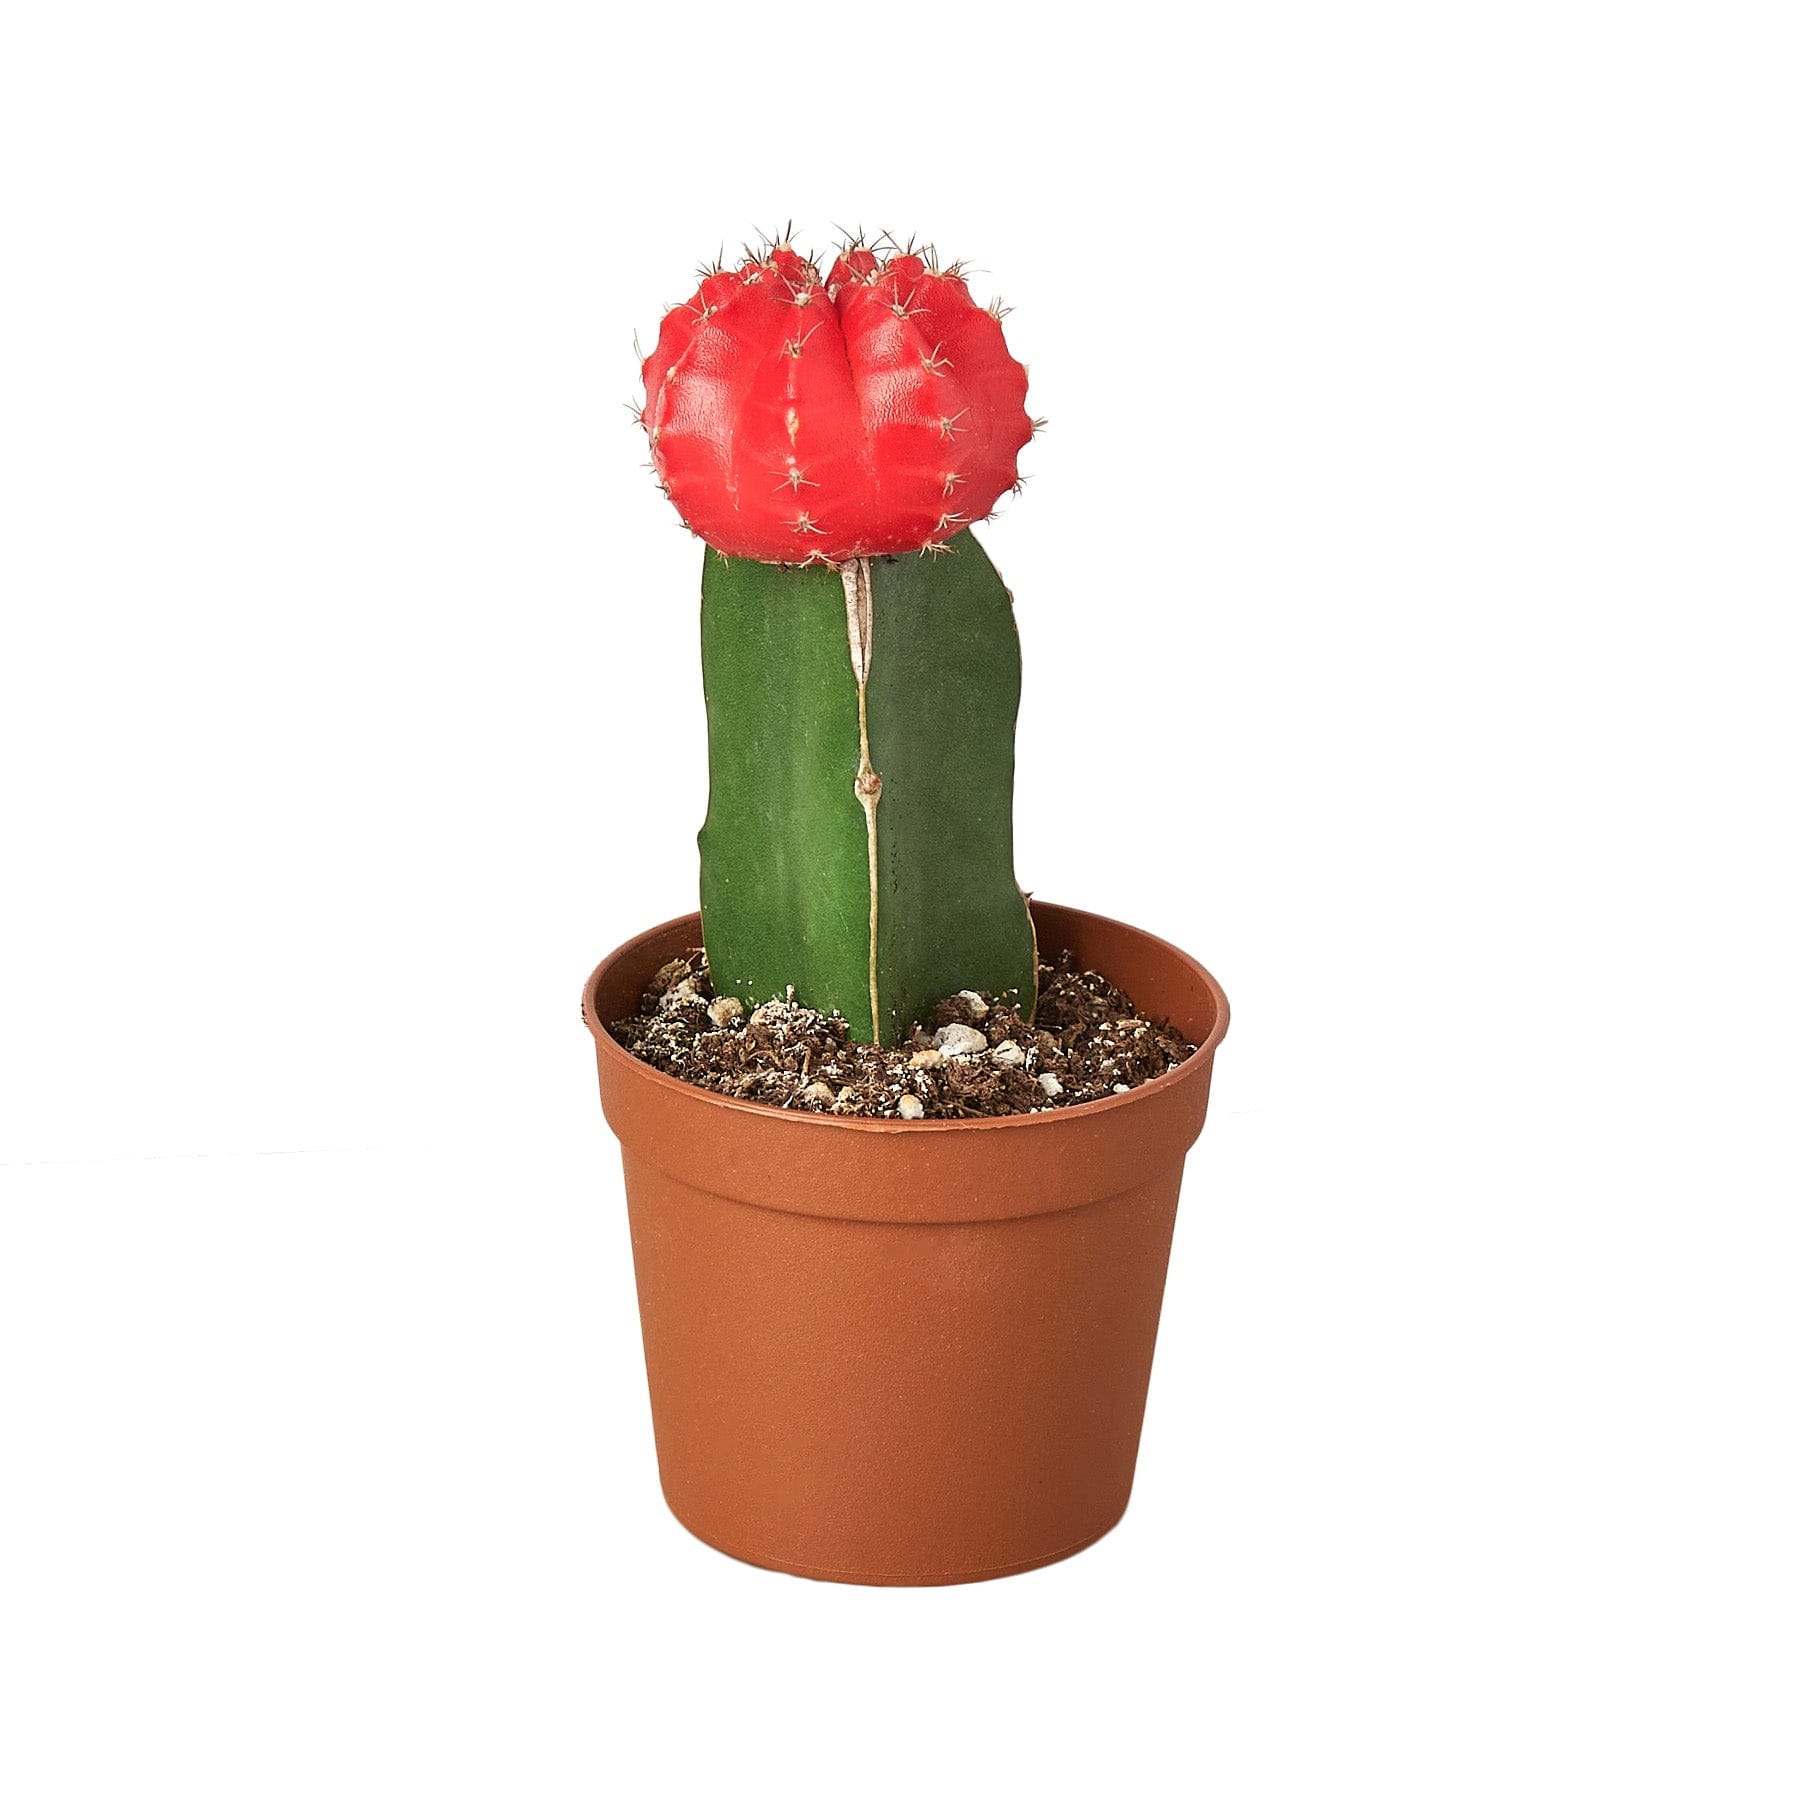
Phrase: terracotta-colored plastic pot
x=893 y=1351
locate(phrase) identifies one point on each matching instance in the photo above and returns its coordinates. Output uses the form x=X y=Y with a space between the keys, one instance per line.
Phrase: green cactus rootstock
x=858 y=835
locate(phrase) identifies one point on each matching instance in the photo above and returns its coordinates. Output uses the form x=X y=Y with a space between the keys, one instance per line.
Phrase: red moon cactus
x=797 y=419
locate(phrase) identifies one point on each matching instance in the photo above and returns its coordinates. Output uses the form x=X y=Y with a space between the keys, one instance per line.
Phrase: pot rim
x=1196 y=1067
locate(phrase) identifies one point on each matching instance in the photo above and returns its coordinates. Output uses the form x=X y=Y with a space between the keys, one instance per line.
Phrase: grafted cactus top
x=798 y=418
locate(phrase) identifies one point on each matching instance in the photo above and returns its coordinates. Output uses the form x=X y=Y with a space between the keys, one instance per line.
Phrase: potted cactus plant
x=901 y=1148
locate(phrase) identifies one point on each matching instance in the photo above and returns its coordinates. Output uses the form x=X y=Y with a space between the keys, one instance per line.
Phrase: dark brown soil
x=977 y=1058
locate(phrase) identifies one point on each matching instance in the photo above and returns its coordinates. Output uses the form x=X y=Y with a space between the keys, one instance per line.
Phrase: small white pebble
x=960 y=1040
x=1121 y=1087
x=1008 y=1054
x=911 y=1107
x=925 y=1059
x=1050 y=1085
x=726 y=1010
x=976 y=1004
x=819 y=1094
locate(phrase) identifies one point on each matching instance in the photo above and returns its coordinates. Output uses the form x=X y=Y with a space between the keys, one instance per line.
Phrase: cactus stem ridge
x=859 y=623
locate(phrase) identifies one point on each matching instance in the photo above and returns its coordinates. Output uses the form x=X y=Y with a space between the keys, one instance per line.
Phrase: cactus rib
x=859 y=621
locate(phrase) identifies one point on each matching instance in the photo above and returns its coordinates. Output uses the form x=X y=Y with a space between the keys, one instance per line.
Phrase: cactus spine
x=858 y=837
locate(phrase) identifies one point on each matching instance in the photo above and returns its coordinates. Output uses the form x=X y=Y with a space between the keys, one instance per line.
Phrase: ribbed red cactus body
x=796 y=418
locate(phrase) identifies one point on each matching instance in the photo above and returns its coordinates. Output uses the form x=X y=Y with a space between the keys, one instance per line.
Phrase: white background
x=1406 y=581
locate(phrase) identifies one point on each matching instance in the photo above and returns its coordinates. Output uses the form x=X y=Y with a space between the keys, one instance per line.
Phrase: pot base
x=863 y=1578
